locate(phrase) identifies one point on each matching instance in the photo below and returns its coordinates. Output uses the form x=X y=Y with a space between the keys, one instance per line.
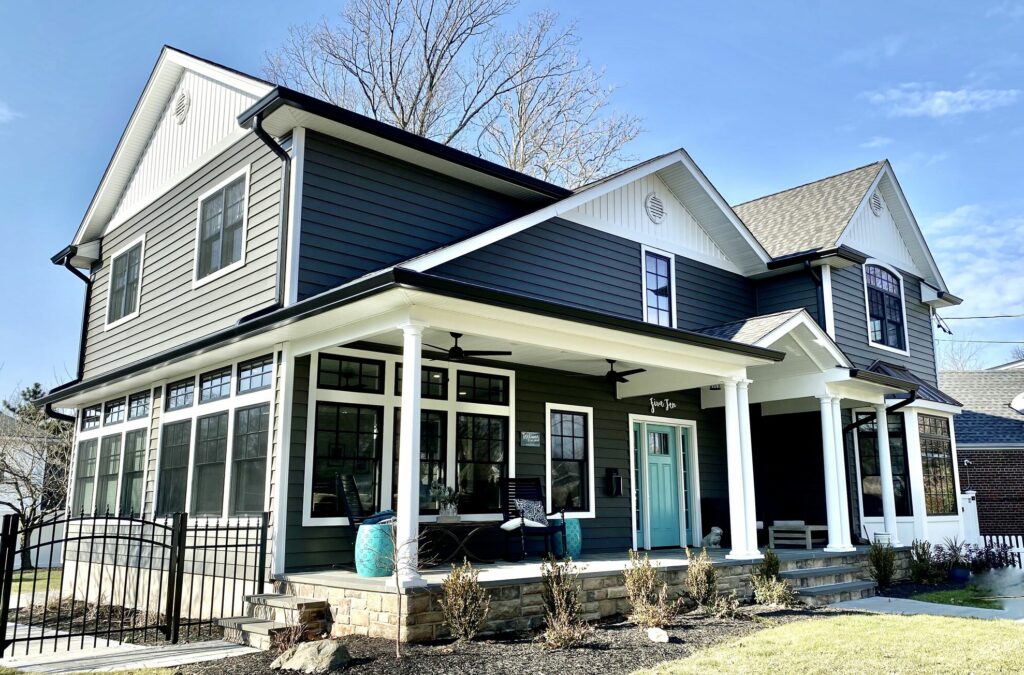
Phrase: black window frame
x=222 y=385
x=328 y=486
x=108 y=474
x=886 y=309
x=475 y=387
x=427 y=506
x=203 y=487
x=168 y=504
x=582 y=463
x=244 y=453
x=425 y=383
x=467 y=502
x=137 y=410
x=115 y=411
x=84 y=460
x=937 y=467
x=261 y=367
x=92 y=417
x=172 y=395
x=662 y=314
x=205 y=263
x=124 y=297
x=362 y=362
x=869 y=468
x=133 y=474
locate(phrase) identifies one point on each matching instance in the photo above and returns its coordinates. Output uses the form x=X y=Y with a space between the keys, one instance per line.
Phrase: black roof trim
x=283 y=96
x=68 y=251
x=403 y=278
x=925 y=390
x=843 y=252
x=884 y=380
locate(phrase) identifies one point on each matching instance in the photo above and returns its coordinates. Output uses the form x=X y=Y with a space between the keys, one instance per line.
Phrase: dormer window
x=659 y=288
x=125 y=273
x=221 y=237
x=886 y=315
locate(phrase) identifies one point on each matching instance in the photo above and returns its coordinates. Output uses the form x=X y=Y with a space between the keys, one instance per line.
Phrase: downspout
x=888 y=411
x=819 y=293
x=282 y=220
x=66 y=263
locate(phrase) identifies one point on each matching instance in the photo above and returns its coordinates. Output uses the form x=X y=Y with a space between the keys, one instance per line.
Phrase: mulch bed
x=616 y=646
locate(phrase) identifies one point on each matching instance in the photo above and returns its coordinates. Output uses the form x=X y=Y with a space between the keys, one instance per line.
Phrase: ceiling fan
x=614 y=376
x=457 y=353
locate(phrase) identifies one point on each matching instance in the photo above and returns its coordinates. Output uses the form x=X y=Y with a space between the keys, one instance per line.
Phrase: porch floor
x=528 y=571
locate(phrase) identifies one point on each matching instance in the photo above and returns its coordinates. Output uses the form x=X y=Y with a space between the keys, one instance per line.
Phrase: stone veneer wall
x=517 y=606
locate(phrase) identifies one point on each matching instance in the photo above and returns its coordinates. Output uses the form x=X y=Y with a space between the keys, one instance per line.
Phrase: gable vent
x=876 y=204
x=181 y=106
x=655 y=208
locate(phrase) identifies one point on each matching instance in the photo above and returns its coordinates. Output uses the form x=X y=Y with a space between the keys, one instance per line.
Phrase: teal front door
x=663 y=484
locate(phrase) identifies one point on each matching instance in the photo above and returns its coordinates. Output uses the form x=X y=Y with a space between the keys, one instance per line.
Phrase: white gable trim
x=821 y=338
x=440 y=256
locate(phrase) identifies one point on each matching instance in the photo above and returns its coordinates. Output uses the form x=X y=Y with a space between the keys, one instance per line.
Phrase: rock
x=657 y=635
x=320 y=656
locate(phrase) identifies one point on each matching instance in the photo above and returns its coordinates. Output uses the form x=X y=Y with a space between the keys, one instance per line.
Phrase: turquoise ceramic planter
x=573 y=538
x=373 y=551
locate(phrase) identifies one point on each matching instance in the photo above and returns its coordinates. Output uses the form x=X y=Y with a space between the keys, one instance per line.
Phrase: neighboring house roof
x=809 y=217
x=925 y=391
x=1012 y=365
x=989 y=397
x=751 y=330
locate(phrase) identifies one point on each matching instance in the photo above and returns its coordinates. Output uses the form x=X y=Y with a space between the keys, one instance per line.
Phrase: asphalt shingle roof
x=750 y=331
x=809 y=217
x=986 y=395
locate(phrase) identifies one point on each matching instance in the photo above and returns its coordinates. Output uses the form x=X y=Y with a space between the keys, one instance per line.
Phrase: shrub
x=954 y=553
x=882 y=561
x=924 y=568
x=560 y=590
x=771 y=591
x=989 y=557
x=464 y=602
x=649 y=608
x=701 y=579
x=724 y=606
x=769 y=567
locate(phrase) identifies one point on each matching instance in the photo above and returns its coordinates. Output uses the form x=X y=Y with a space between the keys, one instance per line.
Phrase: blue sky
x=764 y=95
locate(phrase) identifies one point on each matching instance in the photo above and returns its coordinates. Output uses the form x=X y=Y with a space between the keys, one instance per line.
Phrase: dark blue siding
x=789 y=291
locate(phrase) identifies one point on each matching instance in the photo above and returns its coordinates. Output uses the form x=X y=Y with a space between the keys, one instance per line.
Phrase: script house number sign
x=663 y=404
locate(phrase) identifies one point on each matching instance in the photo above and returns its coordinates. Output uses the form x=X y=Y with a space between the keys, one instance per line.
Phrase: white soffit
x=176 y=152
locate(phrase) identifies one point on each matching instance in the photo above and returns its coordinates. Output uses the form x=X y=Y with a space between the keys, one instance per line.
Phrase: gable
x=879 y=236
x=623 y=211
x=181 y=141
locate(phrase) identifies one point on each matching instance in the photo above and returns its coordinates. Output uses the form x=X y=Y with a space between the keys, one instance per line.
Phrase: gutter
x=888 y=411
x=842 y=252
x=282 y=220
x=819 y=293
x=63 y=259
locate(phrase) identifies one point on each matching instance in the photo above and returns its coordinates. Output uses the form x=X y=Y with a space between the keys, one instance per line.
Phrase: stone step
x=246 y=630
x=818 y=596
x=284 y=601
x=812 y=572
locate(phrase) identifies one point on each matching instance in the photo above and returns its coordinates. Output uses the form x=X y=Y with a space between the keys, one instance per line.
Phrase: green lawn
x=969 y=596
x=867 y=644
x=34 y=580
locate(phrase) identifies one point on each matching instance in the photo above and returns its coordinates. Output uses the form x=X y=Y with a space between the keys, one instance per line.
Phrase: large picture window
x=221 y=228
x=124 y=284
x=85 y=474
x=173 y=471
x=482 y=388
x=481 y=448
x=870 y=471
x=937 y=465
x=208 y=470
x=658 y=300
x=134 y=472
x=433 y=455
x=249 y=460
x=885 y=307
x=106 y=479
x=570 y=470
x=347 y=441
x=346 y=373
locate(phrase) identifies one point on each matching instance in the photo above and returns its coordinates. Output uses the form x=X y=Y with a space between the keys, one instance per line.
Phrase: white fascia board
x=821 y=338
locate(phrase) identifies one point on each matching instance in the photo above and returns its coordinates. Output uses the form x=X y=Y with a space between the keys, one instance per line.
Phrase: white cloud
x=6 y=114
x=1006 y=10
x=917 y=100
x=876 y=142
x=873 y=53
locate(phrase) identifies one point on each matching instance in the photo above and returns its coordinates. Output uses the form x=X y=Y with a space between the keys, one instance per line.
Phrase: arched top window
x=885 y=308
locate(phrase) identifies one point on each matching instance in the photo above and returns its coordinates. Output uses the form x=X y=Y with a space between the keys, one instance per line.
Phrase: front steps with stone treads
x=822 y=581
x=270 y=617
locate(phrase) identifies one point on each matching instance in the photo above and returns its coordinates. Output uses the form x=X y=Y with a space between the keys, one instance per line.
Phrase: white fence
x=1014 y=541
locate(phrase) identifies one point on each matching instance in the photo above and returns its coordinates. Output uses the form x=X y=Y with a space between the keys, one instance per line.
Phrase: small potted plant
x=957 y=559
x=447 y=499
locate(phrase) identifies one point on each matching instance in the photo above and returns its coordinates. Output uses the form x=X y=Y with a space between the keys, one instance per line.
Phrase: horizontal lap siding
x=789 y=291
x=852 y=329
x=362 y=211
x=708 y=296
x=171 y=312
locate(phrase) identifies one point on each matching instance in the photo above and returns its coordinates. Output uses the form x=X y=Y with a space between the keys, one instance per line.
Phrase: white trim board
x=673 y=299
x=592 y=492
x=140 y=240
x=872 y=262
x=245 y=171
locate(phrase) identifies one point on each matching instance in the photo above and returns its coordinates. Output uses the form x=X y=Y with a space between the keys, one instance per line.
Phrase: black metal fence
x=103 y=580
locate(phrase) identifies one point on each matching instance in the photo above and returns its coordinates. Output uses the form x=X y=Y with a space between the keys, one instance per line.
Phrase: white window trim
x=230 y=404
x=107 y=323
x=549 y=408
x=867 y=306
x=389 y=401
x=196 y=280
x=644 y=250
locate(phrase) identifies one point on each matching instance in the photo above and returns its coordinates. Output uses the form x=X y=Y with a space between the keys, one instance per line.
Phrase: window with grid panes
x=348 y=440
x=138 y=405
x=173 y=471
x=249 y=459
x=885 y=307
x=85 y=474
x=937 y=465
x=221 y=228
x=433 y=382
x=658 y=279
x=569 y=468
x=133 y=472
x=481 y=449
x=107 y=474
x=871 y=473
x=114 y=411
x=208 y=467
x=180 y=394
x=482 y=388
x=349 y=373
x=255 y=374
x=433 y=455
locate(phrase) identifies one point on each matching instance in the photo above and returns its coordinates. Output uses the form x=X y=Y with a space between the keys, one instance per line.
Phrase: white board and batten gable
x=187 y=113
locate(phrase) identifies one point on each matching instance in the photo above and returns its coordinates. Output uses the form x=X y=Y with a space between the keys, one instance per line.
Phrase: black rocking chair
x=351 y=503
x=531 y=489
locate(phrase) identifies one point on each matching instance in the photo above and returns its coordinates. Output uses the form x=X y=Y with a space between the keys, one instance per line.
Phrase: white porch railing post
x=885 y=475
x=844 y=492
x=408 y=514
x=747 y=459
x=828 y=443
x=734 y=456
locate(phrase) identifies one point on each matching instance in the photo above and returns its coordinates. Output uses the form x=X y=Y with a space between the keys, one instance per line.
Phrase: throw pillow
x=531 y=509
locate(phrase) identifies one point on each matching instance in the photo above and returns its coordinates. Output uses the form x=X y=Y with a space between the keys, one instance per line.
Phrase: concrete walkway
x=882 y=605
x=106 y=659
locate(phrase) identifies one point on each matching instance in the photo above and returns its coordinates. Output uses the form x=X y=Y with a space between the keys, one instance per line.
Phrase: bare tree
x=444 y=69
x=35 y=454
x=959 y=354
x=1017 y=353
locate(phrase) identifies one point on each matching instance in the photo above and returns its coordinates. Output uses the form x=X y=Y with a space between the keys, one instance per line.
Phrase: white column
x=828 y=448
x=885 y=474
x=734 y=457
x=844 y=491
x=916 y=474
x=407 y=527
x=747 y=460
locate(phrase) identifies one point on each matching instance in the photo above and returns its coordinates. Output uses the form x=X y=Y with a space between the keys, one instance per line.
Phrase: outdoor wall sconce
x=612 y=482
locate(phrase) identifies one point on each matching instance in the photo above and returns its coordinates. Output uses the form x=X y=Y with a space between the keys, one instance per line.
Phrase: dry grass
x=867 y=644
